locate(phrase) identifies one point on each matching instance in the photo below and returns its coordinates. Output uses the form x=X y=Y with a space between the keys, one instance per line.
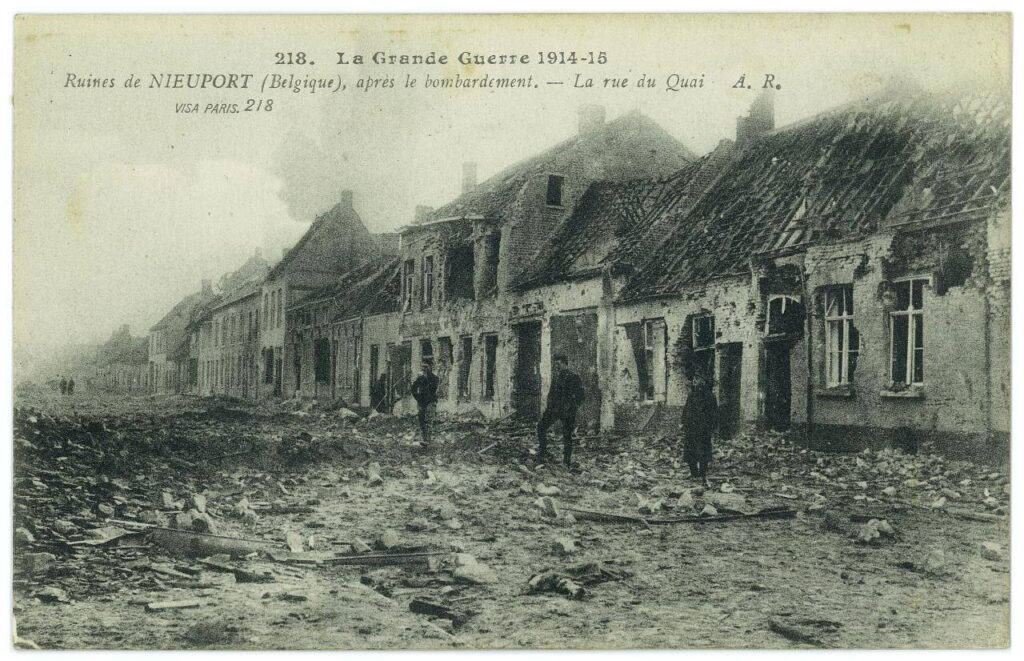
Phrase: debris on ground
x=573 y=581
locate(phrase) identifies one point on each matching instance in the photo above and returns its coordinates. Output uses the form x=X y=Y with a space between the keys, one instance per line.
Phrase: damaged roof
x=901 y=157
x=626 y=147
x=377 y=293
x=365 y=290
x=617 y=224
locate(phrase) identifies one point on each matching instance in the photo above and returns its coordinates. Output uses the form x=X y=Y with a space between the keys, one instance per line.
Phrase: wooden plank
x=172 y=605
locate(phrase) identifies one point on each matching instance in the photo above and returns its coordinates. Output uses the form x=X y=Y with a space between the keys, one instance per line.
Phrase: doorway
x=526 y=388
x=730 y=357
x=575 y=335
x=778 y=382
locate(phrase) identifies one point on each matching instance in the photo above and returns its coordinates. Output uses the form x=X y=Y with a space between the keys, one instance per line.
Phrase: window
x=488 y=276
x=842 y=341
x=268 y=366
x=428 y=281
x=653 y=385
x=458 y=278
x=906 y=332
x=785 y=316
x=465 y=362
x=554 y=195
x=408 y=273
x=443 y=366
x=273 y=309
x=704 y=332
x=490 y=364
x=703 y=343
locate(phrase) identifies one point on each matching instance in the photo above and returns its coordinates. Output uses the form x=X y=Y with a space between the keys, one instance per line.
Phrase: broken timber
x=384 y=559
x=606 y=517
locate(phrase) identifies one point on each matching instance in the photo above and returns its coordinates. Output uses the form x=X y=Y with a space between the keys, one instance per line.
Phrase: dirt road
x=817 y=579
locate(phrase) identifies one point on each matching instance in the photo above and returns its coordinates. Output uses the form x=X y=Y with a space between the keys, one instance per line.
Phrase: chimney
x=258 y=253
x=468 y=176
x=207 y=286
x=423 y=213
x=346 y=199
x=759 y=120
x=591 y=118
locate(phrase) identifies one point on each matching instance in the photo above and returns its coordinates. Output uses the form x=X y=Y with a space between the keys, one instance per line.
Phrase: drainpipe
x=809 y=322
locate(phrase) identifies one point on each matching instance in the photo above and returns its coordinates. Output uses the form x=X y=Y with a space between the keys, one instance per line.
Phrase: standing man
x=700 y=419
x=63 y=386
x=424 y=390
x=564 y=398
x=71 y=386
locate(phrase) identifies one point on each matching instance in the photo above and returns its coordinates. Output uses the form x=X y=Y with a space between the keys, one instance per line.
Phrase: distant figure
x=424 y=390
x=700 y=419
x=382 y=398
x=71 y=386
x=564 y=398
x=63 y=386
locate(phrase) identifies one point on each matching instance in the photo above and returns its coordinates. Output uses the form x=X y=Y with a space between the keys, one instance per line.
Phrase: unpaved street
x=484 y=522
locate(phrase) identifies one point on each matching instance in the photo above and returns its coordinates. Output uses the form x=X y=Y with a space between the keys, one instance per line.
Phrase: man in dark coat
x=63 y=386
x=564 y=398
x=700 y=419
x=424 y=390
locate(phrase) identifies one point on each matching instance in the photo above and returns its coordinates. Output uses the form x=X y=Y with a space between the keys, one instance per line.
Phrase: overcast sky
x=122 y=206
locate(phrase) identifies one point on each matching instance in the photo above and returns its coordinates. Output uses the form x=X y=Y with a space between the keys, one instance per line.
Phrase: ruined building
x=845 y=277
x=847 y=273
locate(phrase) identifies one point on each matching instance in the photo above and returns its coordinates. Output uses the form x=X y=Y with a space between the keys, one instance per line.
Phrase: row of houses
x=846 y=277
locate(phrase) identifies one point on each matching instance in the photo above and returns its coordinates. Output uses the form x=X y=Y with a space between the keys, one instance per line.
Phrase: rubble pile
x=770 y=469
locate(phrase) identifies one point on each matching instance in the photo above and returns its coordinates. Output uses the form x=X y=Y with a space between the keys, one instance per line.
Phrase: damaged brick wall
x=951 y=407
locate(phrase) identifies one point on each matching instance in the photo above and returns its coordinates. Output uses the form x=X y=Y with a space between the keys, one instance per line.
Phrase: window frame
x=915 y=320
x=696 y=319
x=839 y=375
x=490 y=367
x=427 y=281
x=652 y=358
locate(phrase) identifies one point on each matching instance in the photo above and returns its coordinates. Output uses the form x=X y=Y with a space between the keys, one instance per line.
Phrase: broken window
x=488 y=276
x=703 y=343
x=465 y=362
x=322 y=360
x=842 y=341
x=443 y=366
x=408 y=273
x=428 y=281
x=490 y=364
x=785 y=316
x=906 y=332
x=704 y=332
x=554 y=194
x=458 y=279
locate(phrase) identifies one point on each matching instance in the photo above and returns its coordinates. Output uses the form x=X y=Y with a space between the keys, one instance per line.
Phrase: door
x=730 y=357
x=575 y=336
x=526 y=388
x=778 y=392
